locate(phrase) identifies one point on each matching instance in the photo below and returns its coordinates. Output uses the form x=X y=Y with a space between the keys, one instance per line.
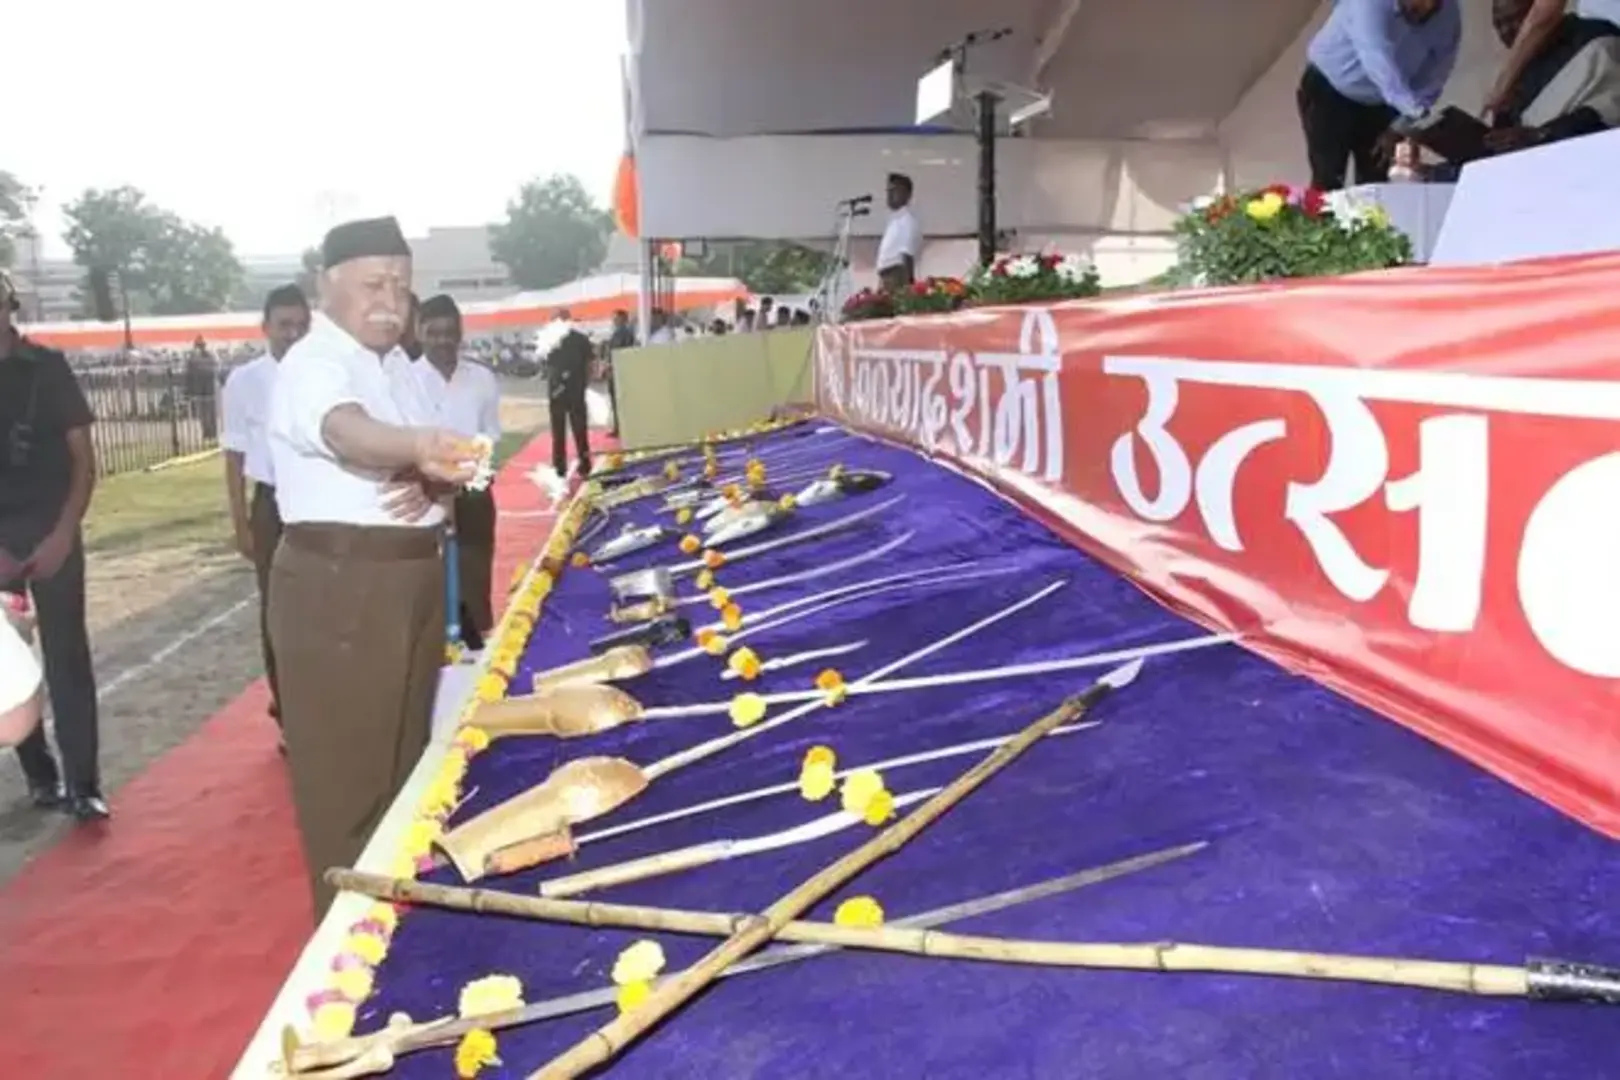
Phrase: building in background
x=48 y=289
x=457 y=261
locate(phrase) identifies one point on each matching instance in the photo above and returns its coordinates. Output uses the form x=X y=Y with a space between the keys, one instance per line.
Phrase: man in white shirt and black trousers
x=467 y=400
x=356 y=585
x=246 y=442
x=901 y=246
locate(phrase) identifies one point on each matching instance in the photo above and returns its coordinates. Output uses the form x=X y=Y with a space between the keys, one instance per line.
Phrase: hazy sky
x=273 y=120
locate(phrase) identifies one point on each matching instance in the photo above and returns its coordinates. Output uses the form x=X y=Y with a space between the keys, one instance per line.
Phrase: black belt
x=374 y=543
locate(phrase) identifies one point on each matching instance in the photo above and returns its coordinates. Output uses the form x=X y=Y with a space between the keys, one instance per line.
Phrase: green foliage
x=553 y=233
x=16 y=200
x=767 y=267
x=1268 y=234
x=168 y=266
x=1031 y=279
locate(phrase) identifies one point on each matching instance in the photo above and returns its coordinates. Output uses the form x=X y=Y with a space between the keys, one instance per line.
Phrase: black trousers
x=264 y=520
x=1339 y=131
x=568 y=410
x=64 y=643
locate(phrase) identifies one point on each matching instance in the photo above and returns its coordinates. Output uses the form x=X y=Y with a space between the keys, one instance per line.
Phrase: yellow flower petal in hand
x=476 y=1050
x=861 y=912
x=731 y=615
x=879 y=808
x=641 y=962
x=747 y=710
x=705 y=580
x=745 y=662
x=690 y=544
x=632 y=994
x=491 y=994
x=859 y=787
x=718 y=598
x=683 y=515
x=816 y=780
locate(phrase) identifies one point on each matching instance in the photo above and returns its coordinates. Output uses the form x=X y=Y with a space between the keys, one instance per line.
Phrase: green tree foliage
x=767 y=267
x=168 y=266
x=16 y=200
x=553 y=233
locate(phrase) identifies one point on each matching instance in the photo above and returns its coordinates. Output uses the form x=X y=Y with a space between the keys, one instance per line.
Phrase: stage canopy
x=753 y=119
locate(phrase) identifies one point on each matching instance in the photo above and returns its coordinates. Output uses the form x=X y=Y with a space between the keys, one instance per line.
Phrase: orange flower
x=711 y=469
x=719 y=598
x=581 y=560
x=713 y=559
x=831 y=683
x=690 y=545
x=732 y=492
x=746 y=663
x=732 y=616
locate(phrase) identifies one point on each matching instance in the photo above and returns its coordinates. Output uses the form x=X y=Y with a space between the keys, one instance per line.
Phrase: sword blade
x=795 y=538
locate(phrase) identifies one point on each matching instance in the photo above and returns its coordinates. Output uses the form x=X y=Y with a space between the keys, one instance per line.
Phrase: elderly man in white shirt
x=246 y=442
x=20 y=678
x=356 y=585
x=466 y=398
x=901 y=247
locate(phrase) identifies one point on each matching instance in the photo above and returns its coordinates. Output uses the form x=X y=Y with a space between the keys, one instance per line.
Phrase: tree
x=553 y=233
x=167 y=265
x=16 y=203
x=767 y=267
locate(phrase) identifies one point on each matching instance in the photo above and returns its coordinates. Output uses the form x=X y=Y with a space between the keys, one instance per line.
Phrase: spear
x=378 y=1050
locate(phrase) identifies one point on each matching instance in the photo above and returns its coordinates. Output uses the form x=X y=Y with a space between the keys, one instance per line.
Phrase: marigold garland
x=747 y=710
x=475 y=1050
x=690 y=545
x=745 y=663
x=731 y=617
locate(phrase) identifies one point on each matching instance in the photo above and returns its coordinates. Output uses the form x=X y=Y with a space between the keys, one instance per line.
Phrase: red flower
x=1312 y=202
x=919 y=288
x=998 y=270
x=1282 y=191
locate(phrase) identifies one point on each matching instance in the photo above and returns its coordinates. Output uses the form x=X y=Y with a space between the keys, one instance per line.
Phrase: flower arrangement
x=869 y=304
x=931 y=295
x=1284 y=232
x=1029 y=279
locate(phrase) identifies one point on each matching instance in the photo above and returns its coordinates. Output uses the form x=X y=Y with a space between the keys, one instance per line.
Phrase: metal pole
x=987 y=103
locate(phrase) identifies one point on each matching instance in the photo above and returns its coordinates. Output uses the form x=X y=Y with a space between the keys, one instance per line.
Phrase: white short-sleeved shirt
x=325 y=369
x=902 y=236
x=19 y=671
x=1599 y=9
x=247 y=416
x=468 y=402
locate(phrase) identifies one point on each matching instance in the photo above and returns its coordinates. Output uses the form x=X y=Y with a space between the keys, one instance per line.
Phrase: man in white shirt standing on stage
x=901 y=246
x=246 y=442
x=356 y=585
x=467 y=400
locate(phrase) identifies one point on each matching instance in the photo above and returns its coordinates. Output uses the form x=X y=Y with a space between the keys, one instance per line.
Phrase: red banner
x=1406 y=484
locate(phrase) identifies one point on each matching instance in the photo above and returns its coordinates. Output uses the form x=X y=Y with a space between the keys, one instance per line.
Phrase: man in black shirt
x=47 y=471
x=568 y=370
x=623 y=337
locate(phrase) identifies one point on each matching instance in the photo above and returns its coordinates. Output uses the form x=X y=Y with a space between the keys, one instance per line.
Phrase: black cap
x=369 y=238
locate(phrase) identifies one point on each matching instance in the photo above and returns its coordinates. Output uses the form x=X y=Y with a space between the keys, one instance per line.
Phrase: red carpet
x=153 y=946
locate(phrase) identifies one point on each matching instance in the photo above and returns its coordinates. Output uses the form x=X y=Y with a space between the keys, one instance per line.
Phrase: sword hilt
x=1567 y=980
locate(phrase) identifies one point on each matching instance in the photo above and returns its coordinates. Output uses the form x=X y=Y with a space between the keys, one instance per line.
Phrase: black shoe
x=89 y=808
x=47 y=796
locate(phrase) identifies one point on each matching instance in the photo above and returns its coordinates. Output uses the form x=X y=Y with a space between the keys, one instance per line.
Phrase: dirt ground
x=173 y=621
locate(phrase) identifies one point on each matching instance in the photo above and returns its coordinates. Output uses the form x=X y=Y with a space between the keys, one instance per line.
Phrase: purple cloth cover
x=1332 y=830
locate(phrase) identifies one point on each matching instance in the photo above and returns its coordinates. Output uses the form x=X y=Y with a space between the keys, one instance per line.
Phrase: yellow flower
x=711 y=469
x=820 y=755
x=354 y=983
x=491 y=994
x=879 y=808
x=719 y=598
x=334 y=1020
x=641 y=962
x=690 y=544
x=731 y=615
x=861 y=912
x=714 y=560
x=787 y=502
x=753 y=464
x=859 y=788
x=366 y=947
x=491 y=687
x=683 y=515
x=384 y=915
x=420 y=836
x=632 y=994
x=1377 y=215
x=580 y=560
x=745 y=662
x=672 y=471
x=475 y=739
x=835 y=472
x=712 y=641
x=732 y=492
x=747 y=710
x=452 y=652
x=705 y=579
x=1265 y=207
x=476 y=1049
x=816 y=780
x=403 y=867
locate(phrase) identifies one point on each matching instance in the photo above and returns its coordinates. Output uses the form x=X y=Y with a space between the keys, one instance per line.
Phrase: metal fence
x=148 y=415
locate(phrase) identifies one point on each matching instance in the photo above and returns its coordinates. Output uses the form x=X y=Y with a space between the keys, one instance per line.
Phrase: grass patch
x=183 y=505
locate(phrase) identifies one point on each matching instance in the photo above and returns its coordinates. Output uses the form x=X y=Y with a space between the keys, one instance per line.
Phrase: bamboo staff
x=375 y=1052
x=610 y=1039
